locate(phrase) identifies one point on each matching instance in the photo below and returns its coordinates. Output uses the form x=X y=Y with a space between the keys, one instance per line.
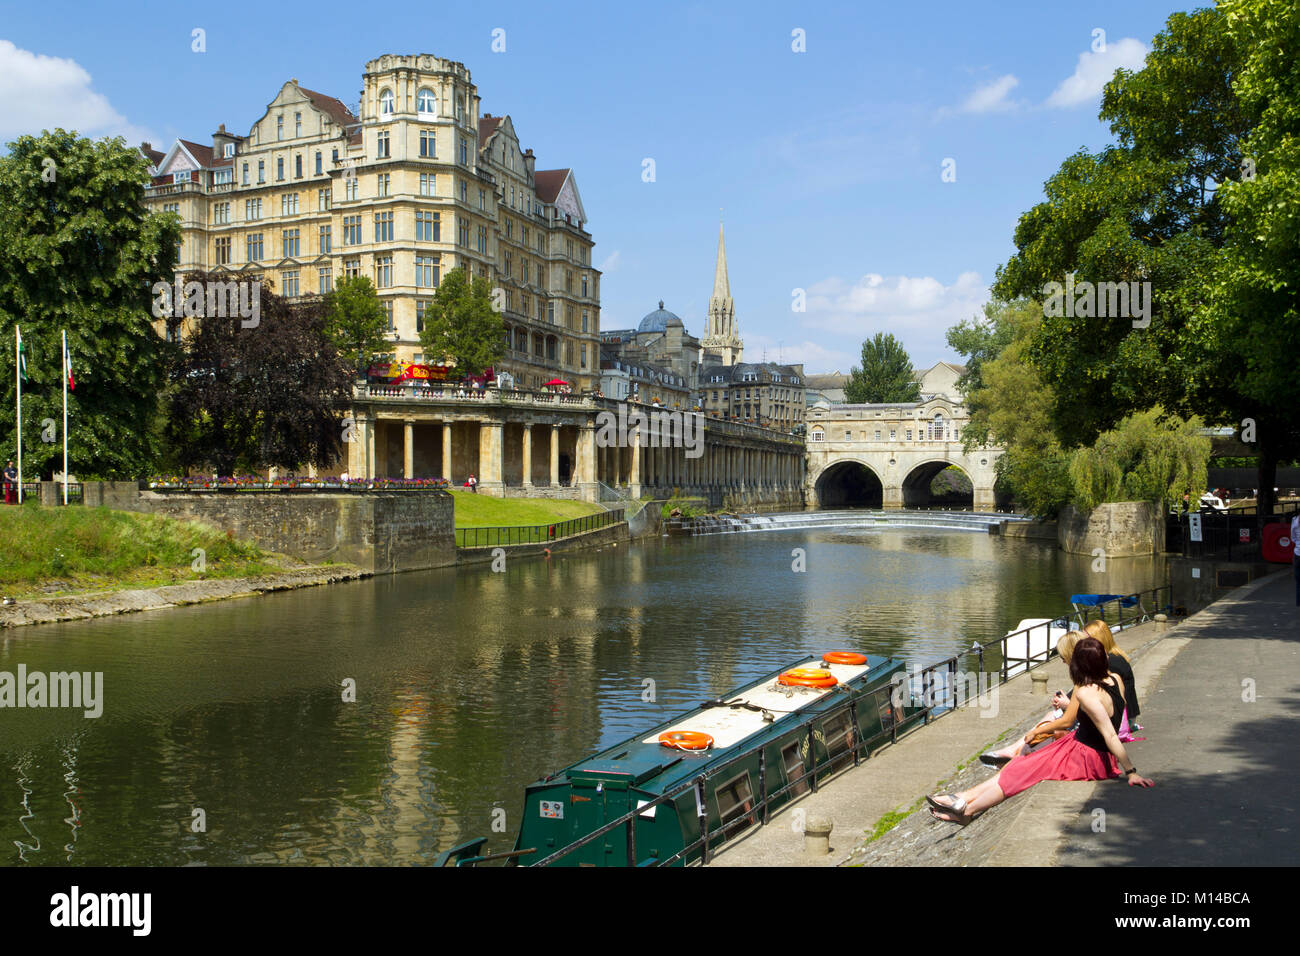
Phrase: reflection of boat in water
x=671 y=794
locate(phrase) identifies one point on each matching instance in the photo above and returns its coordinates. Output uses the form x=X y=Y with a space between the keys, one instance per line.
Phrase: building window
x=386 y=103
x=388 y=314
x=318 y=163
x=351 y=268
x=279 y=127
x=462 y=151
x=384 y=273
x=222 y=251
x=463 y=192
x=221 y=212
x=462 y=231
x=893 y=435
x=427 y=227
x=382 y=143
x=261 y=170
x=426 y=103
x=584 y=356
x=325 y=239
x=322 y=199
x=427 y=184
x=254 y=247
x=244 y=179
x=228 y=150
x=351 y=230
x=426 y=272
x=420 y=306
x=507 y=267
x=290 y=242
x=428 y=143
x=584 y=287
x=877 y=434
x=252 y=209
x=289 y=283
x=909 y=434
x=297 y=166
x=550 y=312
x=482 y=239
x=584 y=320
x=297 y=124
x=382 y=182
x=350 y=188
x=482 y=200
x=326 y=276
x=289 y=204
x=383 y=227
x=279 y=168
x=510 y=228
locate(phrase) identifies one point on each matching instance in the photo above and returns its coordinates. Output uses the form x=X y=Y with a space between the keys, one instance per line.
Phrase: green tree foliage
x=1145 y=210
x=243 y=398
x=885 y=375
x=78 y=251
x=1147 y=457
x=1252 y=320
x=460 y=324
x=355 y=320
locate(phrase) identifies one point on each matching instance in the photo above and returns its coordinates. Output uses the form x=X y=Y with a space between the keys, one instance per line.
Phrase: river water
x=225 y=737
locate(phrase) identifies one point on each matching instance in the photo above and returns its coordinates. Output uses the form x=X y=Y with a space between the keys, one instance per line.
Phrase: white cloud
x=1094 y=71
x=611 y=262
x=918 y=310
x=45 y=92
x=992 y=97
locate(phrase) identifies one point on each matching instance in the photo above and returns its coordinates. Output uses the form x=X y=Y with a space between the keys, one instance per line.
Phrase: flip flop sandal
x=956 y=808
x=994 y=760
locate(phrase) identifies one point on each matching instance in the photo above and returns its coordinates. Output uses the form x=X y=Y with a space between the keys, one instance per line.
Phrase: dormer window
x=386 y=103
x=426 y=103
x=229 y=150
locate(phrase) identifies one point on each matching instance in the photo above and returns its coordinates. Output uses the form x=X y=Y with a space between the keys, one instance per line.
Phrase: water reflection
x=469 y=685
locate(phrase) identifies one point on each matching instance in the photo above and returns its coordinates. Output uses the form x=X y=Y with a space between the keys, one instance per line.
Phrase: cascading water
x=855 y=520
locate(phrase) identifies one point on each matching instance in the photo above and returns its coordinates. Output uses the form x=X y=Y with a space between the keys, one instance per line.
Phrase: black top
x=1088 y=733
x=1125 y=670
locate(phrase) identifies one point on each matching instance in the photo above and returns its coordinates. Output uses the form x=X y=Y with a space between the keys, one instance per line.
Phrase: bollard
x=1162 y=623
x=817 y=834
x=1040 y=683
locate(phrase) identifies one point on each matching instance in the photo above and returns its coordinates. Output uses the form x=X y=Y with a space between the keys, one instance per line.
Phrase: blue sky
x=827 y=163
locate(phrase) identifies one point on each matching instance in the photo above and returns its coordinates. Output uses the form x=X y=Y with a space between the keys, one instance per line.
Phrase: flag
x=67 y=364
x=22 y=355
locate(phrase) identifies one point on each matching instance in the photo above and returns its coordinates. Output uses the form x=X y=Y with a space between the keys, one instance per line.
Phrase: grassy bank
x=484 y=511
x=53 y=551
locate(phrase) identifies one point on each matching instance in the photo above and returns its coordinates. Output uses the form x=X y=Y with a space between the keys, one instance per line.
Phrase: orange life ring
x=686 y=740
x=807 y=677
x=844 y=657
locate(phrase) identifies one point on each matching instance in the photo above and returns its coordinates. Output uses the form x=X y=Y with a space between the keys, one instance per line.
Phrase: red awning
x=555 y=381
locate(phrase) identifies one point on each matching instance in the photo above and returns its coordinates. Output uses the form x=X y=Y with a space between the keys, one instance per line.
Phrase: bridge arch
x=849 y=483
x=918 y=493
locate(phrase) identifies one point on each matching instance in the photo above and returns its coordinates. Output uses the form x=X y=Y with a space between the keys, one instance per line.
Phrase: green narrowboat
x=673 y=794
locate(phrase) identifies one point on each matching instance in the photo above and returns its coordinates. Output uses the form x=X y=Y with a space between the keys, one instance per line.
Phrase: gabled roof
x=487 y=125
x=330 y=105
x=200 y=154
x=549 y=182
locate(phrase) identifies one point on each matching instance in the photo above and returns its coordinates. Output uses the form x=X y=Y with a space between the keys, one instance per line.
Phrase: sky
x=869 y=160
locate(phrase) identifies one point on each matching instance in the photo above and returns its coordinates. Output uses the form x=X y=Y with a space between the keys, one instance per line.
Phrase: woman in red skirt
x=1091 y=752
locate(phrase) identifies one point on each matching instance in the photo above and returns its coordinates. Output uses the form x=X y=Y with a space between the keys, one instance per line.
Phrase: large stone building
x=410 y=184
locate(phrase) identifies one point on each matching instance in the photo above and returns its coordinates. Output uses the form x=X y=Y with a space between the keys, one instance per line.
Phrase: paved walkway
x=1226 y=789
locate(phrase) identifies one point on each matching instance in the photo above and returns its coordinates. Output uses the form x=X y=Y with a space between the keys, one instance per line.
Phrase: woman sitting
x=1054 y=725
x=1119 y=664
x=1091 y=752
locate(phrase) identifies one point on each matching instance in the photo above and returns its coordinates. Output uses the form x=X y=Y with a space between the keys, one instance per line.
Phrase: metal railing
x=925 y=708
x=1233 y=535
x=538 y=533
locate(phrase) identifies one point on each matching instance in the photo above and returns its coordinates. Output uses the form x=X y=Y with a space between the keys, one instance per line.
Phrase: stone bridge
x=886 y=456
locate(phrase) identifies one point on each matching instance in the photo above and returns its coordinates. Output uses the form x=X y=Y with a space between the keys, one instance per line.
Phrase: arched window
x=938 y=433
x=386 y=102
x=426 y=103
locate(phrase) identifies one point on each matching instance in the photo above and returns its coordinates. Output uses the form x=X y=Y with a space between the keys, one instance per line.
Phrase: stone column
x=587 y=465
x=446 y=450
x=528 y=457
x=555 y=456
x=491 y=445
x=371 y=464
x=634 y=470
x=408 y=449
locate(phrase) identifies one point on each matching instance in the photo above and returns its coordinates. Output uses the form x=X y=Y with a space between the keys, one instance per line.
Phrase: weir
x=855 y=520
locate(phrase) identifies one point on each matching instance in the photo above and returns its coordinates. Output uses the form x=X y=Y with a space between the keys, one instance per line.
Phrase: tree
x=1144 y=211
x=461 y=325
x=274 y=394
x=78 y=251
x=1148 y=457
x=1252 y=320
x=355 y=320
x=885 y=376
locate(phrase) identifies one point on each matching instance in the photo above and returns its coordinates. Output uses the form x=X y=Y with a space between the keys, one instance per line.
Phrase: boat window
x=792 y=762
x=735 y=800
x=838 y=736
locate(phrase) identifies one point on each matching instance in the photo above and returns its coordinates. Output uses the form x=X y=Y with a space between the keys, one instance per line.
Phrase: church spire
x=721 y=340
x=721 y=285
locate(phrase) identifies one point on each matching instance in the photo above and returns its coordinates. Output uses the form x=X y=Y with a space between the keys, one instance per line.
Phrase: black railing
x=924 y=708
x=1230 y=535
x=495 y=537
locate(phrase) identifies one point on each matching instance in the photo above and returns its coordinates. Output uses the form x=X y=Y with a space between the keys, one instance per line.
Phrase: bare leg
x=978 y=799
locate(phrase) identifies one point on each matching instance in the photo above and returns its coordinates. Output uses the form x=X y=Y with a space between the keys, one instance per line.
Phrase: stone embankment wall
x=1122 y=529
x=379 y=533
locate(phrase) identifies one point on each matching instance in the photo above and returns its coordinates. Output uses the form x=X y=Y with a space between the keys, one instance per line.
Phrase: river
x=225 y=737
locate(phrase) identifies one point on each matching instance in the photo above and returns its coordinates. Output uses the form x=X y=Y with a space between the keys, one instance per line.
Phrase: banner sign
x=408 y=371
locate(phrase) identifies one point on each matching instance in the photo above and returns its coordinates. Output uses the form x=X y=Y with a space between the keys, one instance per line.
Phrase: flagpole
x=65 y=416
x=18 y=378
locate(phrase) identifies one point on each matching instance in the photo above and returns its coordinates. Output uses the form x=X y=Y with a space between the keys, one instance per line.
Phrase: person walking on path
x=11 y=483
